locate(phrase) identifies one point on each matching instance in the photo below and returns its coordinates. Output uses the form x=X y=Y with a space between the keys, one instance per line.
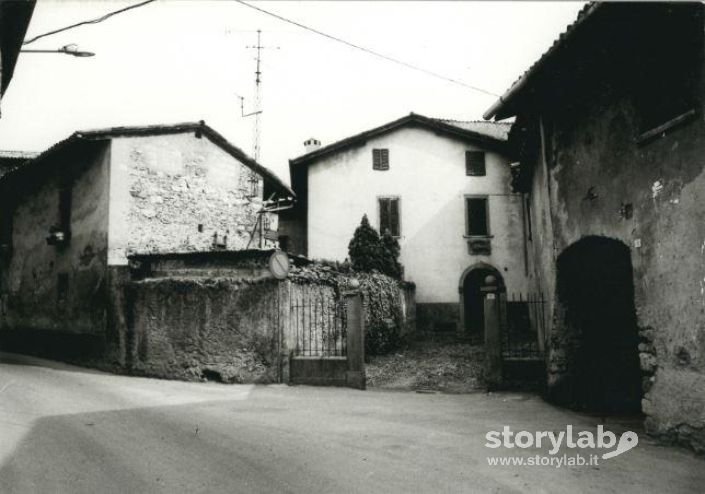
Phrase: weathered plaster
x=596 y=169
x=31 y=274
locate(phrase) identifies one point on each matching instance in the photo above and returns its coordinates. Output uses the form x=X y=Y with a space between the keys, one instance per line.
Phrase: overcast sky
x=174 y=61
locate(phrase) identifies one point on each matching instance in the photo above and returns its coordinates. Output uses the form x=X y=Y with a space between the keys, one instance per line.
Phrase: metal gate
x=319 y=324
x=328 y=346
x=523 y=324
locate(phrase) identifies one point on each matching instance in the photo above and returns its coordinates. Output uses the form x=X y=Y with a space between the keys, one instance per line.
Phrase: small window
x=62 y=289
x=528 y=218
x=380 y=159
x=667 y=84
x=389 y=216
x=475 y=163
x=477 y=216
x=6 y=217
x=65 y=199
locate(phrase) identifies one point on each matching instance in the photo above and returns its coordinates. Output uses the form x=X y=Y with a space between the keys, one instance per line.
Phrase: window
x=666 y=87
x=475 y=163
x=528 y=217
x=6 y=217
x=65 y=199
x=380 y=159
x=477 y=216
x=389 y=216
x=62 y=289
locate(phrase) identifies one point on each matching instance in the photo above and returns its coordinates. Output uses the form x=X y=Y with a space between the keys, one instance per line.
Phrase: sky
x=177 y=60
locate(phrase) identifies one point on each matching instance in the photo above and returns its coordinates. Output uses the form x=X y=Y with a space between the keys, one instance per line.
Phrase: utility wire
x=367 y=50
x=83 y=23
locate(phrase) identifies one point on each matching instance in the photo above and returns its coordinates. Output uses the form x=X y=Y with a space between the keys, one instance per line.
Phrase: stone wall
x=189 y=328
x=179 y=193
x=240 y=328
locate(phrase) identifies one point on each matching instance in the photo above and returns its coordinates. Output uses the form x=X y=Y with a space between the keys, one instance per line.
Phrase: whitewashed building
x=441 y=187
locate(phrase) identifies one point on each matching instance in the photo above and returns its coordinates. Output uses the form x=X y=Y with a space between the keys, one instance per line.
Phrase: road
x=73 y=430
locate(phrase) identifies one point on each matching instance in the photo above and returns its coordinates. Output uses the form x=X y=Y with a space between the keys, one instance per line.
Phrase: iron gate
x=319 y=324
x=523 y=324
x=328 y=332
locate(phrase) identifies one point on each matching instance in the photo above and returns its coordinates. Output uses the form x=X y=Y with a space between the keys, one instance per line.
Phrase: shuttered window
x=389 y=216
x=380 y=159
x=475 y=163
x=477 y=216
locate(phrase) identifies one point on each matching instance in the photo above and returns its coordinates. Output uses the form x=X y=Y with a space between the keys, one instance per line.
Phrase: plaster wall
x=598 y=170
x=31 y=296
x=427 y=172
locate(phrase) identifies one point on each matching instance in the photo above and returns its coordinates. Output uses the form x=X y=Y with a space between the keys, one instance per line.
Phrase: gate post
x=355 y=375
x=493 y=341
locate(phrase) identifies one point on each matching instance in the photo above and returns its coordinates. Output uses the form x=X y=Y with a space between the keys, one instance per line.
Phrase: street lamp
x=66 y=50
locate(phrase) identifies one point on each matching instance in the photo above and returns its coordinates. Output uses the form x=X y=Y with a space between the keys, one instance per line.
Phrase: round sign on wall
x=279 y=264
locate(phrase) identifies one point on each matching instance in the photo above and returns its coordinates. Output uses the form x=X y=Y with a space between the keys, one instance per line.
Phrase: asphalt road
x=67 y=429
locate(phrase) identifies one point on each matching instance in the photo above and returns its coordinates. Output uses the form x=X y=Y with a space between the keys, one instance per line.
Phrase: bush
x=382 y=337
x=369 y=253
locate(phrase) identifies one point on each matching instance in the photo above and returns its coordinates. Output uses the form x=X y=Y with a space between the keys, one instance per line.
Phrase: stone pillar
x=355 y=375
x=493 y=338
x=284 y=338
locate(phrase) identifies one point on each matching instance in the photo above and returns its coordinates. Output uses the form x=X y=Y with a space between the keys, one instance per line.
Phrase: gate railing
x=319 y=325
x=522 y=321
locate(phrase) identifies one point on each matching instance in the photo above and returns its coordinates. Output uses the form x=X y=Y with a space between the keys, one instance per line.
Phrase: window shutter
x=380 y=159
x=394 y=217
x=475 y=163
x=383 y=215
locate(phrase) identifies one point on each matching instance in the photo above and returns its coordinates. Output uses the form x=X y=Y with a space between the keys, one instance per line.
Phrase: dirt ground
x=426 y=366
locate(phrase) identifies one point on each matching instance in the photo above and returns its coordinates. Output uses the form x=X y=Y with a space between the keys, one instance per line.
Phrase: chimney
x=311 y=145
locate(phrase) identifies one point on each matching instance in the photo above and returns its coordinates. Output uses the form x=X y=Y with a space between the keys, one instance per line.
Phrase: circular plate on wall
x=279 y=264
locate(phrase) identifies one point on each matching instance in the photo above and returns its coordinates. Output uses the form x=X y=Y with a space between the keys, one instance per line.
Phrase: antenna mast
x=258 y=98
x=257 y=110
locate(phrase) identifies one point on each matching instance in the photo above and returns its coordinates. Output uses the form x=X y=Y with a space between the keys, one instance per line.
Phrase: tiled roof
x=11 y=160
x=498 y=130
x=481 y=132
x=18 y=155
x=113 y=132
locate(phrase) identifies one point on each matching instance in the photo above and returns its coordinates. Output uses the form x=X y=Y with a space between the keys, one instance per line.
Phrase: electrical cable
x=367 y=50
x=83 y=23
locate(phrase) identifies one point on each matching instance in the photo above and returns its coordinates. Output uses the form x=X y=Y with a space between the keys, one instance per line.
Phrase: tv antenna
x=257 y=110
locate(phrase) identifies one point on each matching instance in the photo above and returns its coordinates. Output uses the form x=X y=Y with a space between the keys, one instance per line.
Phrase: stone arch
x=471 y=300
x=597 y=326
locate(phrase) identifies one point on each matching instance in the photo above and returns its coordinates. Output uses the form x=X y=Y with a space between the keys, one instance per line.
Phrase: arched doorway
x=596 y=292
x=472 y=305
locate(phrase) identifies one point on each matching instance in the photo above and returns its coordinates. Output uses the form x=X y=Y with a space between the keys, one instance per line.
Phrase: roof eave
x=413 y=118
x=506 y=106
x=210 y=133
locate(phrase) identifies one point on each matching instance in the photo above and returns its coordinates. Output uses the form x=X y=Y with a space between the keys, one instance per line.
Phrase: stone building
x=72 y=216
x=610 y=136
x=441 y=187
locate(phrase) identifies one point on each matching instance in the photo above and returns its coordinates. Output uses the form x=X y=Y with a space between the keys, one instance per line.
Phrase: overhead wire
x=288 y=21
x=368 y=50
x=91 y=21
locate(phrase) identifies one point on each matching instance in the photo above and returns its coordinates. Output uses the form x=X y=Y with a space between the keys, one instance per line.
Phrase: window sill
x=478 y=237
x=663 y=128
